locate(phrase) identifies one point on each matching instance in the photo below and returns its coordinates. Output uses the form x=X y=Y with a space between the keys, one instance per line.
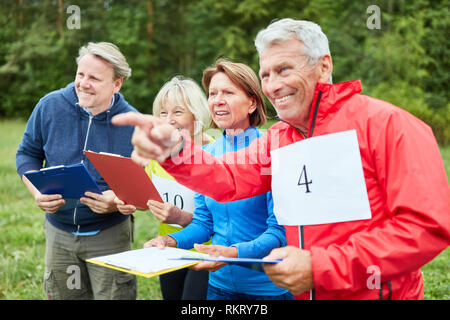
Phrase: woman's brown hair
x=246 y=79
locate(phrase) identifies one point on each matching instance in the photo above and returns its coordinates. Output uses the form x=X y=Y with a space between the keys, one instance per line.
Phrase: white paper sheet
x=174 y=193
x=148 y=260
x=319 y=180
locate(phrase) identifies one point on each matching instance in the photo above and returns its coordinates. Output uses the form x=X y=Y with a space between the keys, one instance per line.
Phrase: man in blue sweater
x=63 y=124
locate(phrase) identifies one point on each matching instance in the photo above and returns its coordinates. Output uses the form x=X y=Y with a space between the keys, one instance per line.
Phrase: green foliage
x=436 y=277
x=406 y=62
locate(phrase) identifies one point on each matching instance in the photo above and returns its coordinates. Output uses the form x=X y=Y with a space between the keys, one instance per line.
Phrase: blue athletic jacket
x=247 y=224
x=57 y=132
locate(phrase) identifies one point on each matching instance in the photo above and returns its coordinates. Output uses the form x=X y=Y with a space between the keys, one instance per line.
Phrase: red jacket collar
x=327 y=98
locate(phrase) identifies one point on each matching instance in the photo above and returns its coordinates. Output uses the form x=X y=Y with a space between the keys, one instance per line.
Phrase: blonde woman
x=182 y=104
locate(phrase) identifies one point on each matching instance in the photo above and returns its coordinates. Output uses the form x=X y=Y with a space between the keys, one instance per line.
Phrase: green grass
x=22 y=241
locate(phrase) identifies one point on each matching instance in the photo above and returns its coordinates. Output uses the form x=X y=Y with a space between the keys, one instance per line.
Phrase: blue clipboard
x=69 y=181
x=250 y=263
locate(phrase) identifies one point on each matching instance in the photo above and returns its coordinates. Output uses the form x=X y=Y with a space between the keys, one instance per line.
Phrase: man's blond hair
x=111 y=54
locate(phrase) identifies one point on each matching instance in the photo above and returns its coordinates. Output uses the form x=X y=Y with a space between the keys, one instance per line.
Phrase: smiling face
x=229 y=104
x=288 y=80
x=95 y=84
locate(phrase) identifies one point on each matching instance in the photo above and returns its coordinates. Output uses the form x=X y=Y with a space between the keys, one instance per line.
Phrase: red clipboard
x=128 y=180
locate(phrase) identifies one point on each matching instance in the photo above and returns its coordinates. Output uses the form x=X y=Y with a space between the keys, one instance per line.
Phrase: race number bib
x=174 y=193
x=319 y=180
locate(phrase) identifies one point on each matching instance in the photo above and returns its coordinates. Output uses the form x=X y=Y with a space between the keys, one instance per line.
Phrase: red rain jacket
x=406 y=183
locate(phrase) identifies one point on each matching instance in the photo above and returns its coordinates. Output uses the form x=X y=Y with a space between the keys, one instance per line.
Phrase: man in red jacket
x=374 y=254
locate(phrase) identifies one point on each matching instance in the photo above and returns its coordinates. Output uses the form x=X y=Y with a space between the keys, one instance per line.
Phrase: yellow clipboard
x=100 y=261
x=138 y=273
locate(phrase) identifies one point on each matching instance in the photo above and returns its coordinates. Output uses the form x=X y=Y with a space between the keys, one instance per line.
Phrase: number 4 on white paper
x=304 y=176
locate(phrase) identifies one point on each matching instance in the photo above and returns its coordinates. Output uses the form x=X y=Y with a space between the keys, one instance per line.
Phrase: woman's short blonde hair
x=111 y=54
x=185 y=92
x=246 y=79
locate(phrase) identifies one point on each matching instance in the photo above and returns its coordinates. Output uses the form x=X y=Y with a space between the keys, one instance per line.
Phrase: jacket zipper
x=312 y=292
x=301 y=239
x=82 y=161
x=87 y=135
x=390 y=290
x=299 y=131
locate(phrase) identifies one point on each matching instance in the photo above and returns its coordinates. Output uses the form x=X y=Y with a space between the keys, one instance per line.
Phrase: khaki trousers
x=69 y=277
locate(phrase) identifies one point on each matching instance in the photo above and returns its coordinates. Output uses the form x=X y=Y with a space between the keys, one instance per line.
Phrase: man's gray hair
x=111 y=54
x=315 y=42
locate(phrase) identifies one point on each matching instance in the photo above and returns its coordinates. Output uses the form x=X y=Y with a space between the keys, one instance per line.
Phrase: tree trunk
x=59 y=21
x=149 y=35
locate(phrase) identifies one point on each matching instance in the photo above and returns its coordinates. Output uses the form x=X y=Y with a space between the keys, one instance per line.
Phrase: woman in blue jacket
x=246 y=228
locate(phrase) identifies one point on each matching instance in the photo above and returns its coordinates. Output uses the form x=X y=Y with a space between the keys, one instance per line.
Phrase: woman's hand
x=214 y=251
x=161 y=242
x=169 y=213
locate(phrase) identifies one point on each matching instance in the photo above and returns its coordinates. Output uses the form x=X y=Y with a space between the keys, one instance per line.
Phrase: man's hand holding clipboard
x=61 y=187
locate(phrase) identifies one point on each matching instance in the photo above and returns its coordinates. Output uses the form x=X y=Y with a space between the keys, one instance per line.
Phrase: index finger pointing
x=143 y=121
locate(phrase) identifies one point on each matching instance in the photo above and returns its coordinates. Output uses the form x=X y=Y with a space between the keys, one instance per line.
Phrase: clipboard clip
x=50 y=168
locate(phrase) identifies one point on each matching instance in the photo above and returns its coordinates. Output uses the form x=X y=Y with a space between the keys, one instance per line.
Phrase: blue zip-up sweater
x=249 y=225
x=57 y=132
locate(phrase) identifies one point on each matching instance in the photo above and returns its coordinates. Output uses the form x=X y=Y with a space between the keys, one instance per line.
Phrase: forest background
x=400 y=49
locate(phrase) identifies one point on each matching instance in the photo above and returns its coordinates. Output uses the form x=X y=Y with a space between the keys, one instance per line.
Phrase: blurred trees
x=405 y=62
